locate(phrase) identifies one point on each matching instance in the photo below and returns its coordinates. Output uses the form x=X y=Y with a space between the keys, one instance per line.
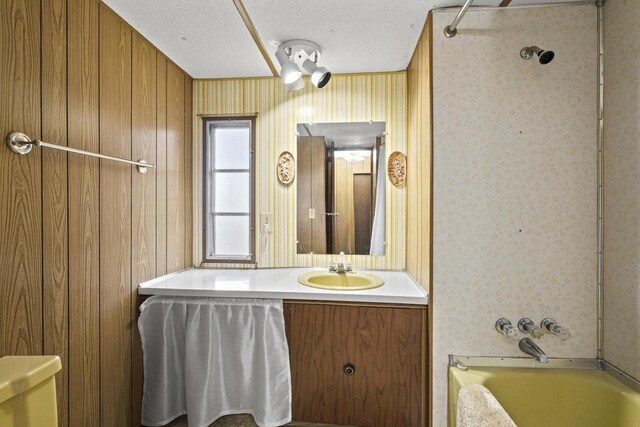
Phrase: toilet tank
x=28 y=391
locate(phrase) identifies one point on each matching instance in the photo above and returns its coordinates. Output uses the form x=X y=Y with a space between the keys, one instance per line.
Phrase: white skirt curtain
x=210 y=357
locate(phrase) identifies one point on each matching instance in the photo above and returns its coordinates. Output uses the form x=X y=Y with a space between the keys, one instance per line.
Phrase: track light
x=297 y=85
x=320 y=76
x=295 y=53
x=290 y=73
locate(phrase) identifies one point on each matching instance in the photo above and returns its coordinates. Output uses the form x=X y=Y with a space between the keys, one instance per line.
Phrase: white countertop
x=279 y=283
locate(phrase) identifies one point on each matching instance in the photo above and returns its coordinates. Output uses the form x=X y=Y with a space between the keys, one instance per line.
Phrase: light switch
x=312 y=214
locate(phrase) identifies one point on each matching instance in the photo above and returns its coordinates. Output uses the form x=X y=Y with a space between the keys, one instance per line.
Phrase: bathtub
x=552 y=397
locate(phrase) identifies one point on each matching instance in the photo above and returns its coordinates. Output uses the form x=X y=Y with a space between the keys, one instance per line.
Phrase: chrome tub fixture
x=531 y=348
x=504 y=327
x=551 y=326
x=544 y=56
x=526 y=326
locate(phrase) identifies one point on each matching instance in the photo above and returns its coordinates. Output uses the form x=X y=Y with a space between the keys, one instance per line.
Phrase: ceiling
x=345 y=135
x=209 y=39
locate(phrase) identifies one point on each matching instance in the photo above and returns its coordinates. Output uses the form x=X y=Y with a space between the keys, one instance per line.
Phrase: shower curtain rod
x=21 y=144
x=450 y=30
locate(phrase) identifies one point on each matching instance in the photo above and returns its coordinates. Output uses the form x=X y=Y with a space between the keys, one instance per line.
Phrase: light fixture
x=290 y=73
x=320 y=76
x=294 y=54
x=352 y=155
x=297 y=85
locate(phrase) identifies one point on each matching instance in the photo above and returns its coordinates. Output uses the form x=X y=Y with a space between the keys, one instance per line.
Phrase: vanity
x=357 y=357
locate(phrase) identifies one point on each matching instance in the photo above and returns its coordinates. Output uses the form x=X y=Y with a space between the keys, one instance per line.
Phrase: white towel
x=477 y=407
x=210 y=357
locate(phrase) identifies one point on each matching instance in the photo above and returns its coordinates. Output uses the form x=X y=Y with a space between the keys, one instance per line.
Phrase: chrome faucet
x=337 y=267
x=504 y=327
x=528 y=346
x=340 y=267
x=526 y=326
x=552 y=327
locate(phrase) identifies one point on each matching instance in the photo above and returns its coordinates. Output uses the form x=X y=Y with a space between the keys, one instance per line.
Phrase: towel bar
x=21 y=144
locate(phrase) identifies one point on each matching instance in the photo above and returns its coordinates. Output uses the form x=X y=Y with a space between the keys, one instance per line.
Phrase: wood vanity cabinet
x=358 y=365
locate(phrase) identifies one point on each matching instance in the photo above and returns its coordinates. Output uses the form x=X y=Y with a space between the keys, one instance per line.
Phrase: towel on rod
x=478 y=407
x=210 y=357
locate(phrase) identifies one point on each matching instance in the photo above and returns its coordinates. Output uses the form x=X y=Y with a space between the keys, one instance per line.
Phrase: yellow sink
x=343 y=282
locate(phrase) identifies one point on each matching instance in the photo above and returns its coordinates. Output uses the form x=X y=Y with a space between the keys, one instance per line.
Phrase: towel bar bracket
x=21 y=144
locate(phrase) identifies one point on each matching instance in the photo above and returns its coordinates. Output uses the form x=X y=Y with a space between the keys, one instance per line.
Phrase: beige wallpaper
x=621 y=190
x=419 y=158
x=514 y=182
x=358 y=97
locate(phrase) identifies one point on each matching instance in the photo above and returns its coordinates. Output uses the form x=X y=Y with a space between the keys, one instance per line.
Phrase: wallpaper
x=514 y=203
x=621 y=177
x=356 y=97
x=419 y=158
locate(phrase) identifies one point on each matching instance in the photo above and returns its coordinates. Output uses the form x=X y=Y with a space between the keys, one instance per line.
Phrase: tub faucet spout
x=528 y=346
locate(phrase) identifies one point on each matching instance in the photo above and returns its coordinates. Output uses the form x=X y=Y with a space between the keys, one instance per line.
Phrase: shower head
x=544 y=56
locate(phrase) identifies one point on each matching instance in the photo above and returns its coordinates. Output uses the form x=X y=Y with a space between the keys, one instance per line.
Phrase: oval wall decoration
x=397 y=168
x=286 y=168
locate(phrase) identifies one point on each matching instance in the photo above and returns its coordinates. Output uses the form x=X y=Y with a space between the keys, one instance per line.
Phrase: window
x=229 y=189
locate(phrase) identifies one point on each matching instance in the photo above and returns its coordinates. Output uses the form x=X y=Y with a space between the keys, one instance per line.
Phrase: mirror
x=341 y=188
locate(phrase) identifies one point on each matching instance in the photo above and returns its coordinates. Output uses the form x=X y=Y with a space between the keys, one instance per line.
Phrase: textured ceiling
x=345 y=135
x=208 y=38
x=217 y=42
x=355 y=35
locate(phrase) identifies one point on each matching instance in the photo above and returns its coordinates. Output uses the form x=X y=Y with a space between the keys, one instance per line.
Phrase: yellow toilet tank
x=28 y=391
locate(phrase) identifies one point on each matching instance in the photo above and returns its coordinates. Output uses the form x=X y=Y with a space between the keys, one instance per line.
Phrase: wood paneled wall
x=79 y=234
x=419 y=159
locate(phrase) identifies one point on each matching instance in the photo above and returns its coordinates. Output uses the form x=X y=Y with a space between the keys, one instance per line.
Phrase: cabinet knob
x=349 y=369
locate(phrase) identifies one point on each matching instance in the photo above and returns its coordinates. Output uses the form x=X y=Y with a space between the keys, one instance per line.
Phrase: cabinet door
x=385 y=345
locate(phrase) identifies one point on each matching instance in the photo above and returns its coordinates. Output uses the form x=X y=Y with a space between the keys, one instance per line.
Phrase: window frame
x=206 y=121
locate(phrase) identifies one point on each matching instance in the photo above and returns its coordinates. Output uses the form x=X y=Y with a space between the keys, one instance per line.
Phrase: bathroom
x=365 y=213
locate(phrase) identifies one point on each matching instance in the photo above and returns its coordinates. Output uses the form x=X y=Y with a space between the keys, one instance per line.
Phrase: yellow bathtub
x=552 y=397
